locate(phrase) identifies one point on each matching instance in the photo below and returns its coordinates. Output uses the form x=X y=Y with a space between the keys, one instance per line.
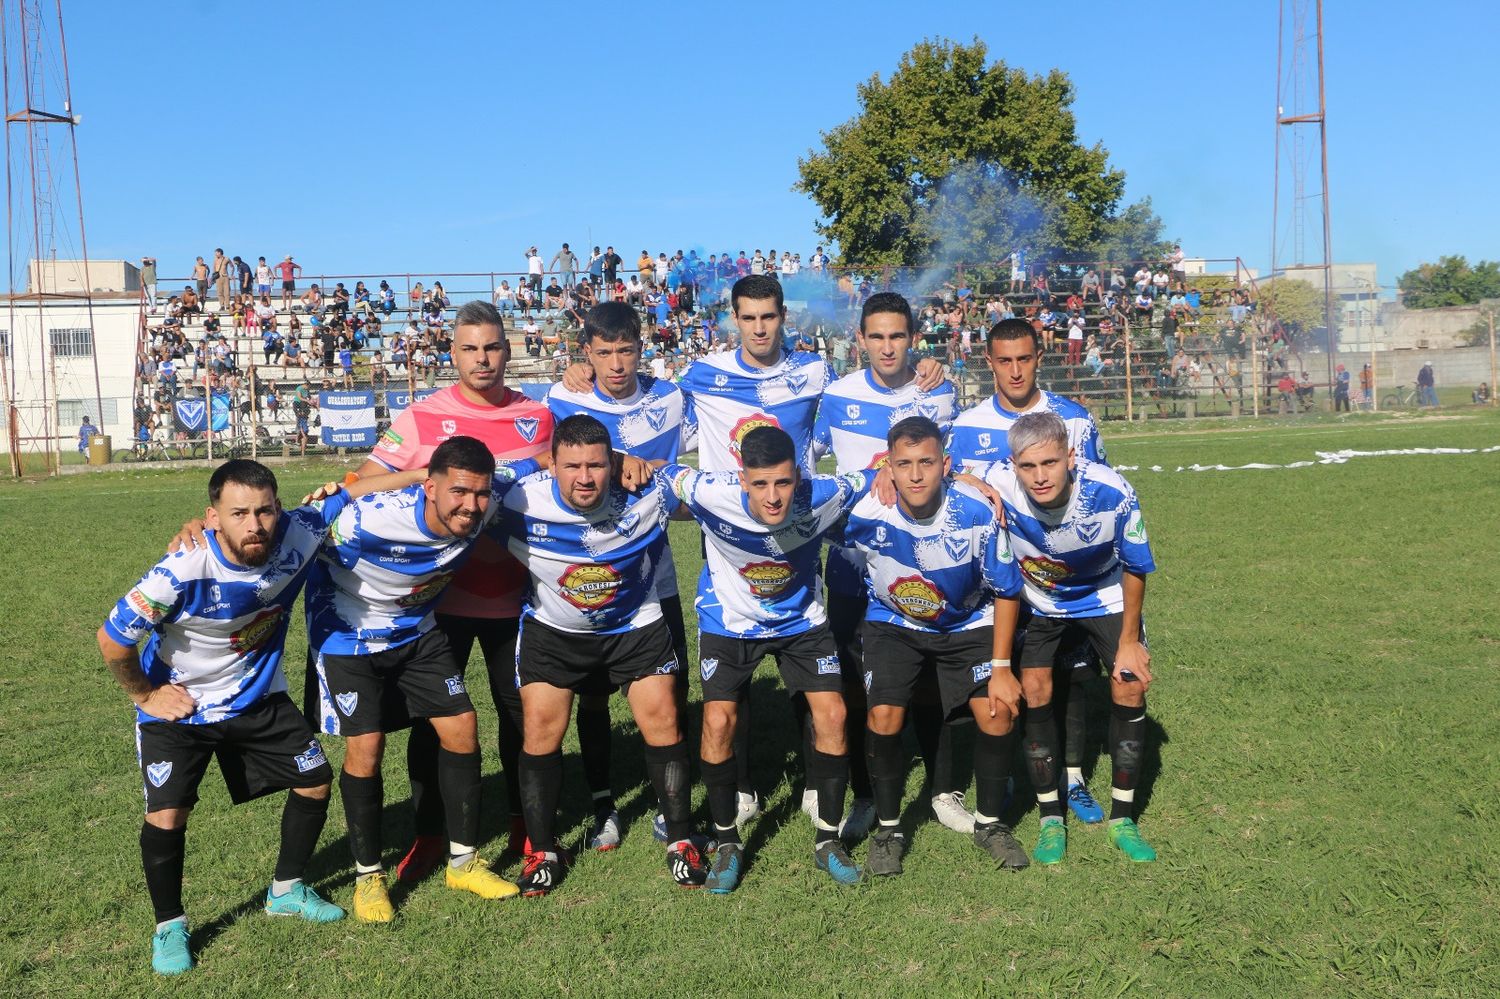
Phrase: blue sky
x=367 y=138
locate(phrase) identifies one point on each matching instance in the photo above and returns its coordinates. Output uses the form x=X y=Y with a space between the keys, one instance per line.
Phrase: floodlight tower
x=1298 y=23
x=44 y=221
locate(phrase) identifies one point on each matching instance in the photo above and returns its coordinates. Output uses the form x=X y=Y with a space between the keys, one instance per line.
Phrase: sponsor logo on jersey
x=721 y=380
x=539 y=530
x=588 y=586
x=767 y=579
x=159 y=772
x=726 y=529
x=880 y=534
x=213 y=593
x=347 y=702
x=1135 y=529
x=527 y=426
x=957 y=545
x=450 y=427
x=917 y=598
x=455 y=686
x=1087 y=531
x=390 y=440
x=828 y=665
x=257 y=632
x=981 y=672
x=708 y=667
x=628 y=523
x=744 y=426
x=852 y=411
x=152 y=610
x=984 y=440
x=656 y=416
x=1043 y=571
x=424 y=592
x=312 y=759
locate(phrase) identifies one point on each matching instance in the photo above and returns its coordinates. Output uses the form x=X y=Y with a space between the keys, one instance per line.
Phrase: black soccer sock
x=1075 y=722
x=887 y=772
x=594 y=748
x=992 y=759
x=943 y=767
x=508 y=712
x=667 y=766
x=854 y=735
x=742 y=744
x=802 y=718
x=541 y=786
x=458 y=776
x=719 y=781
x=1040 y=746
x=302 y=821
x=422 y=770
x=363 y=799
x=162 y=852
x=1127 y=739
x=927 y=726
x=828 y=774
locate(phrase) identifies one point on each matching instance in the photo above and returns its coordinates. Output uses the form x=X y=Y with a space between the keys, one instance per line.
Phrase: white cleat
x=749 y=807
x=950 y=810
x=810 y=804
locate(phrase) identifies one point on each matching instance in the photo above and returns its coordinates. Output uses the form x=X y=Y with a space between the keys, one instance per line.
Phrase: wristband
x=999 y=664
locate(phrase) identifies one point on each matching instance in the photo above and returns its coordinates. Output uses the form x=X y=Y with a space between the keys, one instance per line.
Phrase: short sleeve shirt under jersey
x=936 y=575
x=218 y=628
x=1073 y=559
x=727 y=399
x=759 y=581
x=979 y=433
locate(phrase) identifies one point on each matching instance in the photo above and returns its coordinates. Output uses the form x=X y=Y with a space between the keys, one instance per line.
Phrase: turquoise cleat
x=169 y=949
x=303 y=901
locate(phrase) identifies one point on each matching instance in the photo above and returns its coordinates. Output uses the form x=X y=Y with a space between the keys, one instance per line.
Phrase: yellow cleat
x=476 y=876
x=372 y=899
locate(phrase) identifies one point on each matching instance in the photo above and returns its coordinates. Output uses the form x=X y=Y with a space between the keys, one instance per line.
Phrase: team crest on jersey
x=928 y=409
x=628 y=523
x=982 y=672
x=526 y=426
x=312 y=759
x=744 y=426
x=806 y=527
x=828 y=665
x=656 y=416
x=721 y=380
x=153 y=611
x=158 y=773
x=257 y=631
x=796 y=382
x=588 y=586
x=708 y=667
x=1087 y=531
x=957 y=545
x=424 y=592
x=984 y=440
x=455 y=686
x=880 y=534
x=852 y=411
x=1135 y=529
x=767 y=579
x=450 y=427
x=347 y=702
x=917 y=598
x=213 y=593
x=1043 y=571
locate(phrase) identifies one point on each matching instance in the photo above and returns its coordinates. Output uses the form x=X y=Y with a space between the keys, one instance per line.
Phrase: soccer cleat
x=856 y=825
x=724 y=875
x=1127 y=837
x=749 y=807
x=996 y=839
x=606 y=834
x=810 y=804
x=831 y=856
x=1051 y=843
x=475 y=876
x=659 y=828
x=886 y=847
x=950 y=810
x=686 y=864
x=1083 y=806
x=516 y=844
x=300 y=900
x=372 y=899
x=542 y=873
x=169 y=949
x=422 y=858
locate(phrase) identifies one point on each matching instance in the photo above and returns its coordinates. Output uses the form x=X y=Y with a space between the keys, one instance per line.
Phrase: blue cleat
x=833 y=858
x=1083 y=806
x=169 y=949
x=300 y=900
x=724 y=876
x=659 y=828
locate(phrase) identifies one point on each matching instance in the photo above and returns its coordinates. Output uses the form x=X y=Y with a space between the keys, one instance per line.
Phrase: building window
x=72 y=342
x=70 y=412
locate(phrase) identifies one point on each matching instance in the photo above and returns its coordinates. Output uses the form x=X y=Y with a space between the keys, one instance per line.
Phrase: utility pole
x=1493 y=371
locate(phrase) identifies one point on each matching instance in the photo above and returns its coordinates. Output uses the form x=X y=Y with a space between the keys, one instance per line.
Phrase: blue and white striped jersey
x=853 y=420
x=759 y=581
x=978 y=435
x=217 y=628
x=1073 y=559
x=590 y=572
x=938 y=575
x=648 y=425
x=727 y=399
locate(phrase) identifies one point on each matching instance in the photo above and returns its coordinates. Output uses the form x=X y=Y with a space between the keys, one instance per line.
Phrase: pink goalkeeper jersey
x=491 y=583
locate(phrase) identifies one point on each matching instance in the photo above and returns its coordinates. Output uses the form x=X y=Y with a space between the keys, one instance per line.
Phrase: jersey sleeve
x=682 y=483
x=1001 y=574
x=835 y=495
x=689 y=439
x=398 y=446
x=1131 y=542
x=152 y=602
x=669 y=498
x=318 y=516
x=822 y=435
x=342 y=543
x=1091 y=445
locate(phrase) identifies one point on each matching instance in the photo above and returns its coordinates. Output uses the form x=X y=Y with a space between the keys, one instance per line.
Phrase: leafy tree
x=1450 y=281
x=954 y=159
x=1297 y=305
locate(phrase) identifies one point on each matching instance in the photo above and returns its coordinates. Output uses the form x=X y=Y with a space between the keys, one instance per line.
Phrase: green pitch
x=1321 y=784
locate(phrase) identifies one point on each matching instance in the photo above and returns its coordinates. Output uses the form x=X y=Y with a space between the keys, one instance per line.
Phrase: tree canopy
x=1297 y=305
x=1450 y=281
x=954 y=159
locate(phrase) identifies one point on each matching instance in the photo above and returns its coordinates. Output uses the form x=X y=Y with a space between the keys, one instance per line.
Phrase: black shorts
x=846 y=619
x=267 y=748
x=1074 y=635
x=809 y=662
x=289 y=286
x=415 y=680
x=896 y=657
x=593 y=664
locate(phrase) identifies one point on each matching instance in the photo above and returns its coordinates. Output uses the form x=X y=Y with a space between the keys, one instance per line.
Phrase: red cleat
x=422 y=859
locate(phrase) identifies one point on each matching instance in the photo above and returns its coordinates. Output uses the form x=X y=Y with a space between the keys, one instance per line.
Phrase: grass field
x=1322 y=788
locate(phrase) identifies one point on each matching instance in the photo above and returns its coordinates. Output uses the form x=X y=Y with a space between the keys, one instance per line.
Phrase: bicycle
x=1401 y=398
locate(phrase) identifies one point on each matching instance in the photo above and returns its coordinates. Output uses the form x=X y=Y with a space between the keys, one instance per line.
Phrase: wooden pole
x=1493 y=370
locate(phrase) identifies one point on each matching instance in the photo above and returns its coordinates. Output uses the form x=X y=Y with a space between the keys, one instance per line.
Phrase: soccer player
x=209 y=684
x=853 y=419
x=382 y=658
x=760 y=595
x=1013 y=352
x=643 y=416
x=592 y=623
x=1075 y=528
x=943 y=592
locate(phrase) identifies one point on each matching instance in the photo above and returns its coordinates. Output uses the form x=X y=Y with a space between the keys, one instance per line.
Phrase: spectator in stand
x=1427 y=386
x=1116 y=281
x=1286 y=388
x=525 y=299
x=1142 y=279
x=312 y=301
x=387 y=299
x=1169 y=332
x=361 y=305
x=1366 y=387
x=634 y=292
x=1090 y=285
x=200 y=280
x=504 y=298
x=1143 y=308
x=553 y=297
x=1073 y=305
x=645 y=268
x=273 y=402
x=262 y=278
x=440 y=297
x=220 y=275
x=1481 y=395
x=289 y=271
x=272 y=344
x=595 y=268
x=1093 y=359
x=1340 y=390
x=346 y=364
x=378 y=374
x=1179 y=365
x=245 y=275
x=148 y=282
x=1075 y=338
x=1017 y=271
x=190 y=304
x=1041 y=288
x=1178 y=268
x=661 y=269
x=1159 y=283
x=565 y=264
x=339 y=306
x=610 y=266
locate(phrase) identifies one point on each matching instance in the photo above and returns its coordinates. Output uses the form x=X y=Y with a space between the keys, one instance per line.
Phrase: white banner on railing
x=347 y=418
